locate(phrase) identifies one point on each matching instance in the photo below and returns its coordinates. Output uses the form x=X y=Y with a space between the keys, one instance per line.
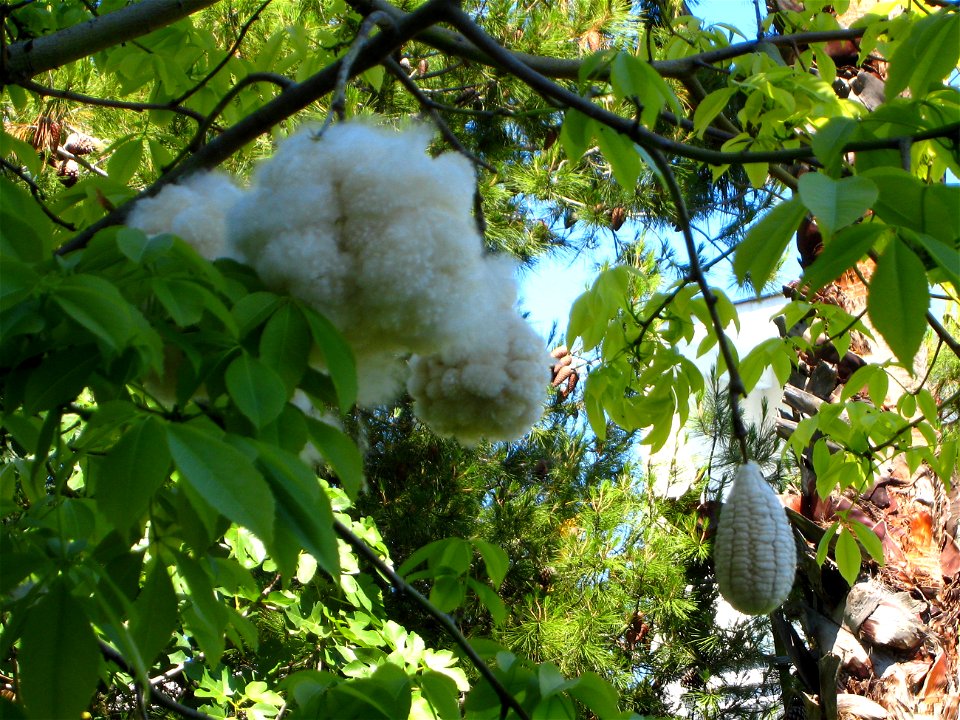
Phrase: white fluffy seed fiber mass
x=490 y=389
x=195 y=210
x=363 y=225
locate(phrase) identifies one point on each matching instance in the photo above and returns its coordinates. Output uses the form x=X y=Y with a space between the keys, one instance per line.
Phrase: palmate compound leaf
x=898 y=300
x=224 y=477
x=58 y=658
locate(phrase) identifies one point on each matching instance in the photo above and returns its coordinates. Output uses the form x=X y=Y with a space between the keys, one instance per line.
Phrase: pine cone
x=691 y=678
x=80 y=144
x=69 y=172
x=796 y=710
x=572 y=381
x=618 y=216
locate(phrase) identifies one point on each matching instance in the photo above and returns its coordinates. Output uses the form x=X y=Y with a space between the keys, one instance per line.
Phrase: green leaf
x=623 y=157
x=303 y=509
x=490 y=600
x=442 y=694
x=842 y=252
x=257 y=391
x=597 y=694
x=555 y=707
x=183 y=299
x=59 y=661
x=848 y=556
x=99 y=307
x=337 y=357
x=836 y=203
x=205 y=617
x=341 y=452
x=125 y=161
x=155 y=614
x=60 y=378
x=898 y=300
x=576 y=134
x=823 y=548
x=224 y=477
x=927 y=55
x=868 y=538
x=829 y=141
x=758 y=254
x=495 y=559
x=711 y=106
x=448 y=593
x=285 y=344
x=551 y=681
x=946 y=258
x=130 y=474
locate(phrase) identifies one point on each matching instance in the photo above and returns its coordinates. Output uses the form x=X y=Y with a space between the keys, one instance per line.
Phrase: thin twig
x=431 y=108
x=206 y=123
x=404 y=588
x=107 y=102
x=735 y=384
x=156 y=696
x=37 y=194
x=338 y=104
x=226 y=58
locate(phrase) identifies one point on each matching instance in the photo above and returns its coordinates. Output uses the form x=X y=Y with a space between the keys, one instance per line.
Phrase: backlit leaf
x=898 y=300
x=758 y=254
x=836 y=203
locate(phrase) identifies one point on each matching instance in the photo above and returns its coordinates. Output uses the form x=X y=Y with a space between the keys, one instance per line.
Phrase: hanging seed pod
x=754 y=552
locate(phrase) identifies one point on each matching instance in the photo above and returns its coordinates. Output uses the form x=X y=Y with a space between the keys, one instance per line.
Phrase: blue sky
x=548 y=290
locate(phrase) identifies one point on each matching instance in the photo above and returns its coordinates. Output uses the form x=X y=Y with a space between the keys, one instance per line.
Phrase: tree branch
x=465 y=47
x=108 y=102
x=155 y=695
x=290 y=101
x=29 y=57
x=404 y=588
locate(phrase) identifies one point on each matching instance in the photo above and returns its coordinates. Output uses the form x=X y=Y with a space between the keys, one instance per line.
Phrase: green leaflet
x=898 y=300
x=224 y=477
x=130 y=474
x=836 y=203
x=256 y=389
x=761 y=251
x=58 y=660
x=847 y=553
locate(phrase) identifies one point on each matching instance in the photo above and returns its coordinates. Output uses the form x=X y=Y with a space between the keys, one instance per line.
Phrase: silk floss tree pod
x=754 y=552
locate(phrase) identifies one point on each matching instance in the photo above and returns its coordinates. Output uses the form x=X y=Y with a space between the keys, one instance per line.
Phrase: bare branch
x=28 y=58
x=107 y=102
x=155 y=695
x=37 y=194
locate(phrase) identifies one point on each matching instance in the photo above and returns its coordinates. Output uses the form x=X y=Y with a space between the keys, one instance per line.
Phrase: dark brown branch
x=647 y=139
x=30 y=57
x=404 y=588
x=949 y=340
